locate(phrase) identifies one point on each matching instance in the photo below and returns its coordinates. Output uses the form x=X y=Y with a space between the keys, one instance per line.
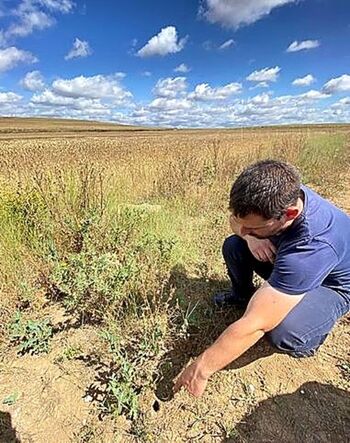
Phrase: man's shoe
x=226 y=298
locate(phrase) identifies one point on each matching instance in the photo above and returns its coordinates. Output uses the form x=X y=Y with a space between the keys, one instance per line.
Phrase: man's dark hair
x=266 y=188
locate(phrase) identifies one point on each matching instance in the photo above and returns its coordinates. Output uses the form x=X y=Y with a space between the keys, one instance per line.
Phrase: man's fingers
x=272 y=248
x=262 y=256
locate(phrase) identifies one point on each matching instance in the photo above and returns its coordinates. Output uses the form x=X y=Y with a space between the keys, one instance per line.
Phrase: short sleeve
x=303 y=267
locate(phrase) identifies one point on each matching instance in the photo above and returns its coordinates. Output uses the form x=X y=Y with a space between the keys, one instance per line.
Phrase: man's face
x=258 y=226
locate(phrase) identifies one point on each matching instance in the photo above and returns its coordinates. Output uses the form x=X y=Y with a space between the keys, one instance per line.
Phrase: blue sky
x=222 y=63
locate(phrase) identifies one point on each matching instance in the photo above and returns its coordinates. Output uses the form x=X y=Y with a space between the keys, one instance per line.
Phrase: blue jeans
x=307 y=325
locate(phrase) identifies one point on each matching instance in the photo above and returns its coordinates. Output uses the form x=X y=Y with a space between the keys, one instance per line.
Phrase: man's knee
x=232 y=246
x=286 y=339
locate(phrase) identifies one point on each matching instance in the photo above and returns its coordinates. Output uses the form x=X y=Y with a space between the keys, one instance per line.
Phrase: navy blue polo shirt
x=314 y=250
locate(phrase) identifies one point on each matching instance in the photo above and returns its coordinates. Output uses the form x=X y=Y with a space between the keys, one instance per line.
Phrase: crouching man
x=299 y=243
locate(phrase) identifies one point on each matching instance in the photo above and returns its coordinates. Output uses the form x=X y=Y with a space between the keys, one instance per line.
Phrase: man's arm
x=267 y=308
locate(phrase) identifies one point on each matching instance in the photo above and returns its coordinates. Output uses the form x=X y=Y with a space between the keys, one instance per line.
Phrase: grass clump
x=30 y=336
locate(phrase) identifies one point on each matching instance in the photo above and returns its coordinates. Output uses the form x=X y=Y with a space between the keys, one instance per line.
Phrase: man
x=299 y=244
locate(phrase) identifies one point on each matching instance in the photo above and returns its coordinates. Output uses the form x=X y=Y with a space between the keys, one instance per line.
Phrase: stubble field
x=110 y=249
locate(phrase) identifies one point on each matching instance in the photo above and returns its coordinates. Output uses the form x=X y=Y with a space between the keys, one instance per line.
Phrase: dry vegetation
x=109 y=252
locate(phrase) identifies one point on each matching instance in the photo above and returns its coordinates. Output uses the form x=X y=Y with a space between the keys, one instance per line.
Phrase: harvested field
x=110 y=249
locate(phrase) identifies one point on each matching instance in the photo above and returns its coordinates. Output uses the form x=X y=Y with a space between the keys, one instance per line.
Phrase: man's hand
x=192 y=379
x=262 y=249
x=266 y=309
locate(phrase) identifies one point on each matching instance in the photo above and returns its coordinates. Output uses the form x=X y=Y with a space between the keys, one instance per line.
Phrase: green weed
x=30 y=336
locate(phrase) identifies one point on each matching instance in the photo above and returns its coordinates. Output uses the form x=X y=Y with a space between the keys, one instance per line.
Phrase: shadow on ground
x=7 y=432
x=315 y=413
x=204 y=325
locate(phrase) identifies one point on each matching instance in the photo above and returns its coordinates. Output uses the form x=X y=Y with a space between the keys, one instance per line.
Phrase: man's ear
x=291 y=213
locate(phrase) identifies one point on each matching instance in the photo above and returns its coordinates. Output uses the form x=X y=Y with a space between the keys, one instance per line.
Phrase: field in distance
x=14 y=127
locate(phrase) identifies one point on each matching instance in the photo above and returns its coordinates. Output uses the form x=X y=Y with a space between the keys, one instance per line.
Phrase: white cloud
x=182 y=68
x=300 y=46
x=313 y=95
x=48 y=98
x=304 y=81
x=80 y=49
x=339 y=84
x=204 y=92
x=31 y=15
x=28 y=23
x=11 y=57
x=9 y=97
x=170 y=87
x=236 y=13
x=345 y=101
x=265 y=75
x=146 y=73
x=261 y=99
x=98 y=86
x=63 y=6
x=97 y=97
x=163 y=103
x=227 y=44
x=50 y=103
x=261 y=109
x=166 y=42
x=260 y=85
x=33 y=81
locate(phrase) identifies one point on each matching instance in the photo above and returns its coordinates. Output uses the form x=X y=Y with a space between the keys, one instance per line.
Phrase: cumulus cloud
x=300 y=46
x=11 y=57
x=181 y=111
x=97 y=86
x=182 y=68
x=203 y=92
x=50 y=99
x=265 y=75
x=28 y=23
x=227 y=44
x=170 y=87
x=166 y=42
x=84 y=97
x=313 y=95
x=51 y=103
x=260 y=85
x=234 y=14
x=345 y=101
x=163 y=103
x=261 y=99
x=81 y=48
x=31 y=15
x=33 y=81
x=9 y=97
x=304 y=81
x=339 y=84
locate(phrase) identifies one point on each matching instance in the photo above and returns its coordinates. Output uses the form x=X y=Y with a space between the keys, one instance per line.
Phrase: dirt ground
x=262 y=397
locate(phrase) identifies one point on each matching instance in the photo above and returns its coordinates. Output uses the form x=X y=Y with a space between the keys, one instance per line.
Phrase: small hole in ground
x=156 y=406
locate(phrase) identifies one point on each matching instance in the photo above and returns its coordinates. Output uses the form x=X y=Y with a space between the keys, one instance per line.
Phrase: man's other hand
x=262 y=249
